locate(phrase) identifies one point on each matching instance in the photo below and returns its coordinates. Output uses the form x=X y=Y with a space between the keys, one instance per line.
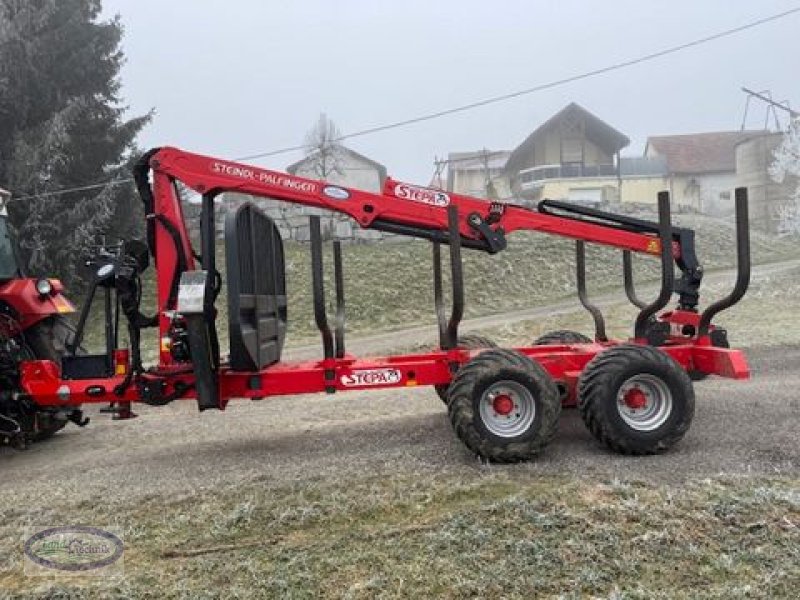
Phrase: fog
x=247 y=76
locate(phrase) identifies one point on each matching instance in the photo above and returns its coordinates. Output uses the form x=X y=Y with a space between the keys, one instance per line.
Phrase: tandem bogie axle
x=636 y=396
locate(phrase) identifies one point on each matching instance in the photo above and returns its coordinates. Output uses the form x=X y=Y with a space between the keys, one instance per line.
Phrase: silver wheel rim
x=644 y=402
x=507 y=409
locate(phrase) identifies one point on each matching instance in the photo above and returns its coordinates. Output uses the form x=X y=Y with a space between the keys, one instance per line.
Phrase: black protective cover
x=86 y=366
x=256 y=279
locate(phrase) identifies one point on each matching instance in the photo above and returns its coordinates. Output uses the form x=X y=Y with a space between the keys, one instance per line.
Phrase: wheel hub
x=635 y=399
x=507 y=409
x=503 y=404
x=644 y=402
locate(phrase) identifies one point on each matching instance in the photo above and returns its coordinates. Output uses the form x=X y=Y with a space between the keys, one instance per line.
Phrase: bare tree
x=323 y=148
x=787 y=164
x=325 y=155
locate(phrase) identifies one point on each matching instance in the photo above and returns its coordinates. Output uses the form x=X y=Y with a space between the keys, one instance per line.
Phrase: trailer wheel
x=48 y=339
x=504 y=406
x=470 y=341
x=562 y=336
x=636 y=399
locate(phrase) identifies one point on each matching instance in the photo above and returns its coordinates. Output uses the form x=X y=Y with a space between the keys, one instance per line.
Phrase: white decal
x=335 y=192
x=419 y=194
x=371 y=377
x=261 y=176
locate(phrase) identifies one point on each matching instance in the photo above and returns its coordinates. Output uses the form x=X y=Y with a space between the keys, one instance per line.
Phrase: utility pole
x=487 y=179
x=438 y=166
x=772 y=106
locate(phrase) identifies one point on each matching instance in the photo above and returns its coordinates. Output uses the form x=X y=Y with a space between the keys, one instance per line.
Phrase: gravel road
x=741 y=428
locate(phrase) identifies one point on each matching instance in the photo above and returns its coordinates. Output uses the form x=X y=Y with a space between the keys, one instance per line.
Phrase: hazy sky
x=245 y=76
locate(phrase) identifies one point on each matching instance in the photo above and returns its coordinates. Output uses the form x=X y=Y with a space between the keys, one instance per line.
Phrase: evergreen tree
x=62 y=126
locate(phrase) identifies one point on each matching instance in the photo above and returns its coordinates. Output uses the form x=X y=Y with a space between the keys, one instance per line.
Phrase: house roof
x=293 y=168
x=597 y=131
x=699 y=152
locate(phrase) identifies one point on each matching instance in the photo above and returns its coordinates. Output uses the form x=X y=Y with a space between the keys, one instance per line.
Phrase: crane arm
x=399 y=208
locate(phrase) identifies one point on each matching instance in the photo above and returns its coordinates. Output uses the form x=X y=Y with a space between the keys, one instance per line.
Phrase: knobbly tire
x=471 y=341
x=636 y=399
x=48 y=339
x=504 y=406
x=562 y=336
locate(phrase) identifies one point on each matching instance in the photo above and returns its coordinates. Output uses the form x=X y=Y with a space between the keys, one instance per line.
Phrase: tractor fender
x=31 y=306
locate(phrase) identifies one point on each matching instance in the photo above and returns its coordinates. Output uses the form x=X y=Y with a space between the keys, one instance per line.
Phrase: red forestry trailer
x=635 y=396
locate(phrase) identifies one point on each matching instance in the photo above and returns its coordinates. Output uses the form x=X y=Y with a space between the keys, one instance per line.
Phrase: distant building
x=571 y=146
x=480 y=173
x=701 y=167
x=574 y=155
x=353 y=170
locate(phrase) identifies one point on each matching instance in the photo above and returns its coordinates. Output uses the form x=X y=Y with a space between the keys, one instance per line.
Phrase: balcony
x=536 y=176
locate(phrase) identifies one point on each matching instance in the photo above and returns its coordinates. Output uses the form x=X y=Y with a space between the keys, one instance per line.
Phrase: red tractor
x=32 y=326
x=636 y=395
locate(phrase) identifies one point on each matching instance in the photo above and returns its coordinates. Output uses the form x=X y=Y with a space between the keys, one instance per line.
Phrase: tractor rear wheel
x=504 y=406
x=636 y=399
x=48 y=340
x=562 y=336
x=470 y=341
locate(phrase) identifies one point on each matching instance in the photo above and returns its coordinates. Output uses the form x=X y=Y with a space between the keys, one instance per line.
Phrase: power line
x=83 y=188
x=487 y=101
x=115 y=182
x=545 y=86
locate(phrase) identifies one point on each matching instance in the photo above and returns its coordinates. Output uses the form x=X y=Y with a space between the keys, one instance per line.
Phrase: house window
x=571 y=151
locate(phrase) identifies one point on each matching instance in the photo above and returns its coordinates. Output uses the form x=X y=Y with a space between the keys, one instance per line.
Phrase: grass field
x=477 y=533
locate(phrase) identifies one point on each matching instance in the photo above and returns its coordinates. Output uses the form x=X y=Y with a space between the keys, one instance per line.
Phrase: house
x=574 y=155
x=342 y=166
x=701 y=167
